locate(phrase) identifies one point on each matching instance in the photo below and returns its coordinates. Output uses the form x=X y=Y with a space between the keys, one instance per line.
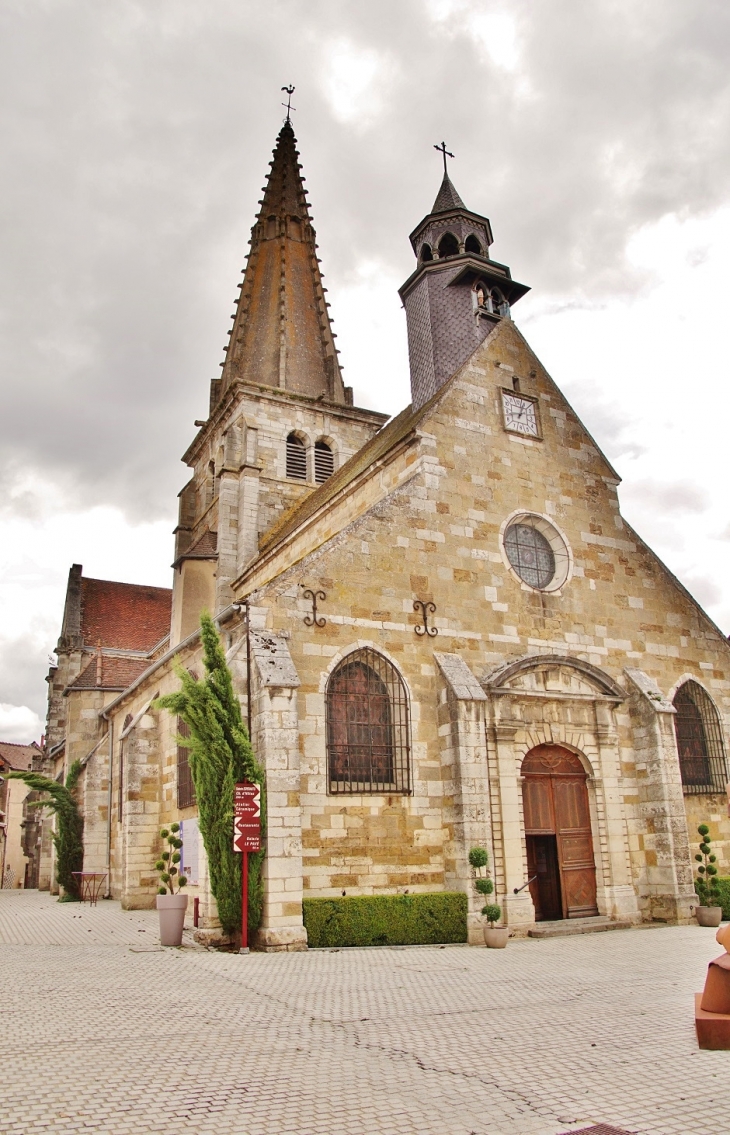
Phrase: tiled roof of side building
x=373 y=451
x=107 y=672
x=18 y=756
x=205 y=547
x=129 y=616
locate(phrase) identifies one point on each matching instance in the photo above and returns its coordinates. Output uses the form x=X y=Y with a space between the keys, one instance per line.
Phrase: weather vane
x=443 y=151
x=289 y=108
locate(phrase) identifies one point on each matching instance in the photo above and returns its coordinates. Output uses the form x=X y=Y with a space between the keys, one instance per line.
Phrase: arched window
x=699 y=741
x=296 y=458
x=471 y=244
x=368 y=746
x=482 y=292
x=426 y=253
x=185 y=786
x=324 y=462
x=272 y=227
x=448 y=245
x=295 y=228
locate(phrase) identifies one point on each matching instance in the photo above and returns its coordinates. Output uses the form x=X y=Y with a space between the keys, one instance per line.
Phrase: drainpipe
x=110 y=734
x=243 y=606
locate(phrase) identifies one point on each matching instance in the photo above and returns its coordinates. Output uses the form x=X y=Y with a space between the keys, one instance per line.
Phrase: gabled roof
x=110 y=672
x=18 y=756
x=128 y=616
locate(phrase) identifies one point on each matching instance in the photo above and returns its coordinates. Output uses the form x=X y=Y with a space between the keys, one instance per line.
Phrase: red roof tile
x=128 y=616
x=18 y=756
x=107 y=672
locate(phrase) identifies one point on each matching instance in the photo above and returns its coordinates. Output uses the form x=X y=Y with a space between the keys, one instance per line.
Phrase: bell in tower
x=456 y=295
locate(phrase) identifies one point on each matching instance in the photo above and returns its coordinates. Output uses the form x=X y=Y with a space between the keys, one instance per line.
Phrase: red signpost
x=246 y=838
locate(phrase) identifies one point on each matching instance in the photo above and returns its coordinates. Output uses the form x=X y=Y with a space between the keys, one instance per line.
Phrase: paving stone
x=543 y=1038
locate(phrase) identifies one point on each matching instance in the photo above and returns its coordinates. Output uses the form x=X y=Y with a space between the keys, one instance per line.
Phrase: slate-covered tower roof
x=281 y=334
x=456 y=295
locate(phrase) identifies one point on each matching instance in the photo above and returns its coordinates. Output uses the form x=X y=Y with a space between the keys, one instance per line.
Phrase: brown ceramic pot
x=709 y=915
x=171 y=909
x=496 y=936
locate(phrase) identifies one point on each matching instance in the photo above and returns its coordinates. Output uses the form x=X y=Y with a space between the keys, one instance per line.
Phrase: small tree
x=707 y=885
x=492 y=912
x=69 y=836
x=220 y=755
x=167 y=864
x=479 y=863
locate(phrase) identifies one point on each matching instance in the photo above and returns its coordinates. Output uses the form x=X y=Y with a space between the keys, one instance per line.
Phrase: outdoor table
x=90 y=884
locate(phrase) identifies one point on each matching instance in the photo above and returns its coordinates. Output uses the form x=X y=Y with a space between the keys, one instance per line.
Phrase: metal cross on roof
x=443 y=151
x=289 y=108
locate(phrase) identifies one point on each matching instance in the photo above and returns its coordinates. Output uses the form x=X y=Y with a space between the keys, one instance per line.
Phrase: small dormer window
x=272 y=227
x=324 y=462
x=296 y=458
x=426 y=253
x=448 y=245
x=471 y=244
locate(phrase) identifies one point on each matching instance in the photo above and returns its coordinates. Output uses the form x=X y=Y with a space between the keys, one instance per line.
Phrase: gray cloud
x=666 y=499
x=135 y=139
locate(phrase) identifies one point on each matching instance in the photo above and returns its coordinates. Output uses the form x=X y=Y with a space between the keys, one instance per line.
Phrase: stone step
x=566 y=926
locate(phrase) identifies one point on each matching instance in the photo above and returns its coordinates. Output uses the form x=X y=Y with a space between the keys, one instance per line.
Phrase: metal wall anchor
x=312 y=620
x=424 y=608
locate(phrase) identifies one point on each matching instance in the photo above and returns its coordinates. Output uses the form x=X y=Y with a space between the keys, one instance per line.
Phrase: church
x=442 y=631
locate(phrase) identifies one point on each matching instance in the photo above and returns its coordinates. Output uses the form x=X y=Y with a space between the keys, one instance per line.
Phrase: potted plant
x=495 y=936
x=709 y=912
x=171 y=903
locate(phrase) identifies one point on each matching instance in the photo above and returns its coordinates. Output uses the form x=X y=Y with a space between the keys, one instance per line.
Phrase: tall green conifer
x=69 y=835
x=220 y=755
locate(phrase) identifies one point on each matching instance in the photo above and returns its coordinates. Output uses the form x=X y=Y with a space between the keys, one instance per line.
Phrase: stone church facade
x=442 y=630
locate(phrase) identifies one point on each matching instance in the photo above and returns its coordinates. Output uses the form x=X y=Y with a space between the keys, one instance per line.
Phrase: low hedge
x=724 y=889
x=386 y=920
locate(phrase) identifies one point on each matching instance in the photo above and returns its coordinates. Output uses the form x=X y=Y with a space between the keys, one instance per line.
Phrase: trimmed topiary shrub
x=386 y=920
x=723 y=895
x=706 y=879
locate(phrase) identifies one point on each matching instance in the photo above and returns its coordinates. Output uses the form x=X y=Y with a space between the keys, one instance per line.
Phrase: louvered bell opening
x=368 y=742
x=324 y=462
x=296 y=458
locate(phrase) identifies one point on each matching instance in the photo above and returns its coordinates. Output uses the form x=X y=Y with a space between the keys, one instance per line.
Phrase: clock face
x=520 y=414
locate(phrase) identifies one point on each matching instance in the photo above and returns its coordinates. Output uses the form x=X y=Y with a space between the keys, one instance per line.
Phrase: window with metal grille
x=324 y=462
x=530 y=554
x=368 y=745
x=296 y=458
x=185 y=786
x=699 y=741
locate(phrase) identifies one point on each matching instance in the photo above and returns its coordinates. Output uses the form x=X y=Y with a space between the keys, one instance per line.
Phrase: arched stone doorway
x=558 y=833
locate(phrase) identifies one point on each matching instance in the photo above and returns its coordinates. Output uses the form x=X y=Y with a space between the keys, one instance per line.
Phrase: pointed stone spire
x=282 y=335
x=447 y=197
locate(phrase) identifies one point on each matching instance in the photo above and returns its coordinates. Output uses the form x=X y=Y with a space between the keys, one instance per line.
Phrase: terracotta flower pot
x=496 y=936
x=171 y=909
x=709 y=915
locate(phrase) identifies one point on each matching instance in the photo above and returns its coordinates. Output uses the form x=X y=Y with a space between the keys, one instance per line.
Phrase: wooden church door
x=558 y=833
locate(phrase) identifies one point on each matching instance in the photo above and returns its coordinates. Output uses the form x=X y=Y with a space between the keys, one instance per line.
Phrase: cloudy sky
x=135 y=138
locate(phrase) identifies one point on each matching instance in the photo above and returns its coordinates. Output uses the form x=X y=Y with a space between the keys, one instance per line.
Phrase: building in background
x=20 y=825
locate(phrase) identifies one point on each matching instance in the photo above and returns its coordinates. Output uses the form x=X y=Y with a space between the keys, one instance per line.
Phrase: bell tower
x=456 y=295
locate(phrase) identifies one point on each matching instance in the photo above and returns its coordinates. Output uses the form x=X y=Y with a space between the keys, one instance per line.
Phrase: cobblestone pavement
x=104 y=1031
